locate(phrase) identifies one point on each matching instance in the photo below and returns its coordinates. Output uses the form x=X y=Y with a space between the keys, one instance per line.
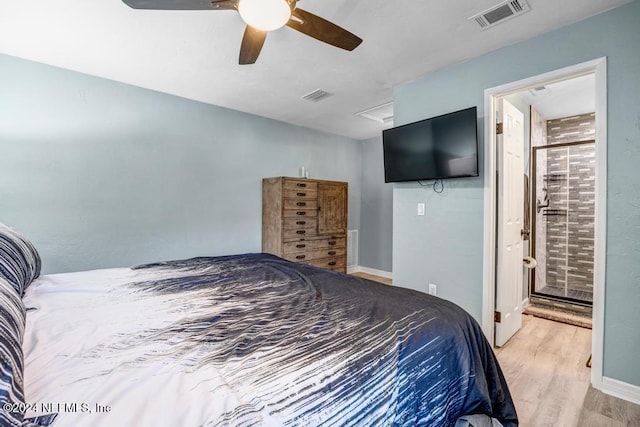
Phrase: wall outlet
x=420 y=209
x=432 y=289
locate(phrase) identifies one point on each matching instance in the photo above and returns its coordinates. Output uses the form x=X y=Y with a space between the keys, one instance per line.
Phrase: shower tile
x=569 y=179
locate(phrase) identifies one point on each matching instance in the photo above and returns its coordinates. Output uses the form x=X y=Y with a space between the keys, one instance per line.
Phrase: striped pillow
x=19 y=260
x=12 y=320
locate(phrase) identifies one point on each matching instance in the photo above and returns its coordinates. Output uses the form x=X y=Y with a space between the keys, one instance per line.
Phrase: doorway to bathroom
x=493 y=290
x=563 y=197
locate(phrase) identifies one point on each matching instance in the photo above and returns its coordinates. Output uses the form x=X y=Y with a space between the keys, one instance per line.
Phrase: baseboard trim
x=619 y=389
x=360 y=269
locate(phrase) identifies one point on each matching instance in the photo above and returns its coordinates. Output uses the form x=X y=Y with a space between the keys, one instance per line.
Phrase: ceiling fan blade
x=251 y=46
x=170 y=4
x=323 y=30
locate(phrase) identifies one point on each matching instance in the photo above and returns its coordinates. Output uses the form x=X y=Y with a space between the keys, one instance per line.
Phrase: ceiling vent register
x=500 y=13
x=381 y=113
x=316 y=95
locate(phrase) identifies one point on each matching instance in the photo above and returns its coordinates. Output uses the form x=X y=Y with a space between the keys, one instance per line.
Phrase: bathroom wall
x=570 y=129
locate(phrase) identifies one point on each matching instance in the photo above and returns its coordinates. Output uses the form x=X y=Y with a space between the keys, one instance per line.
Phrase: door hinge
x=497 y=316
x=498 y=128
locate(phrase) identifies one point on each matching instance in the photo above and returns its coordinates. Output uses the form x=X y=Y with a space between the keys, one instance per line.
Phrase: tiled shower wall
x=571 y=129
x=570 y=182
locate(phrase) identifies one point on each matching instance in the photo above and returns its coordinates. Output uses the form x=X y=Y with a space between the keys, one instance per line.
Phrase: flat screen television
x=436 y=148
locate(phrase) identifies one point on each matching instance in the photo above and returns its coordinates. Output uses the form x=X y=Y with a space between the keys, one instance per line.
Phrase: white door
x=510 y=222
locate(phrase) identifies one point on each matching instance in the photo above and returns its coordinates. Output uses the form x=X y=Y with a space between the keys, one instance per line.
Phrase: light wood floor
x=375 y=278
x=545 y=367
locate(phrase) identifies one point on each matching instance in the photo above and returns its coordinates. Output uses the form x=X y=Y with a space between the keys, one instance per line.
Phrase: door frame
x=599 y=68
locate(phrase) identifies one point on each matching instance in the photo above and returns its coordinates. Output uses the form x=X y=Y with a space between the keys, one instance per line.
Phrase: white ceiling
x=194 y=54
x=564 y=98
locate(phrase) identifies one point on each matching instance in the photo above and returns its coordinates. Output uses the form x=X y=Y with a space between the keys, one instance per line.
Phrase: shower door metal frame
x=532 y=205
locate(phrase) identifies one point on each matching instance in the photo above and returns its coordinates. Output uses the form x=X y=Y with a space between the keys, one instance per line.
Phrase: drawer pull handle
x=301 y=232
x=301 y=204
x=301 y=257
x=301 y=246
x=300 y=184
x=301 y=222
x=332 y=242
x=332 y=263
x=301 y=194
x=331 y=252
x=301 y=213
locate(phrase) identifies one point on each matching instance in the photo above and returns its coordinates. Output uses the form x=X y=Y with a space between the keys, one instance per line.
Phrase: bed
x=237 y=340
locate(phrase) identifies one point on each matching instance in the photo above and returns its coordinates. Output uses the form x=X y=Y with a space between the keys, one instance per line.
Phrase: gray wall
x=445 y=246
x=102 y=174
x=376 y=232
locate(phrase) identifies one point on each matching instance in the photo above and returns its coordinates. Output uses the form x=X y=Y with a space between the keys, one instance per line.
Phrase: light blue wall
x=376 y=232
x=101 y=174
x=445 y=246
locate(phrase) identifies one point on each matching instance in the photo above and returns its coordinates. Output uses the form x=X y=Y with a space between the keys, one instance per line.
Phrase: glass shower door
x=563 y=221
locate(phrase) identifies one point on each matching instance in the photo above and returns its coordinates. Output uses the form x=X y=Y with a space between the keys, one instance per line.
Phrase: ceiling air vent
x=500 y=13
x=381 y=113
x=317 y=95
x=539 y=90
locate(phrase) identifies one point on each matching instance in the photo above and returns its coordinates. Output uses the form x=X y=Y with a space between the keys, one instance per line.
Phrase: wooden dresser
x=305 y=220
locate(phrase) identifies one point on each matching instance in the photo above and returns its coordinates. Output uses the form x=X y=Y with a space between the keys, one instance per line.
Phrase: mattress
x=251 y=340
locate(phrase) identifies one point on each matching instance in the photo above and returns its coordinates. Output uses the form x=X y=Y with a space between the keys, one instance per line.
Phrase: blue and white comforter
x=251 y=340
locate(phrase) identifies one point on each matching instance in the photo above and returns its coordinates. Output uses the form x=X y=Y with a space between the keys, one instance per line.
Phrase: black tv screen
x=439 y=147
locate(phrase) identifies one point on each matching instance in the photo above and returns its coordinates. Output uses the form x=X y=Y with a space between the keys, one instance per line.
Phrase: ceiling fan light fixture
x=265 y=15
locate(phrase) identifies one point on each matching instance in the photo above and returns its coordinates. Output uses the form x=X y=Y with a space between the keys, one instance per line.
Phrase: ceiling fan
x=262 y=16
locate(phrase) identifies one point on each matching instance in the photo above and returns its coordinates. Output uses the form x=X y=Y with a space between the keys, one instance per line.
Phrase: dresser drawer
x=332 y=242
x=310 y=255
x=300 y=204
x=314 y=244
x=299 y=213
x=299 y=233
x=297 y=247
x=332 y=263
x=300 y=184
x=298 y=223
x=301 y=194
